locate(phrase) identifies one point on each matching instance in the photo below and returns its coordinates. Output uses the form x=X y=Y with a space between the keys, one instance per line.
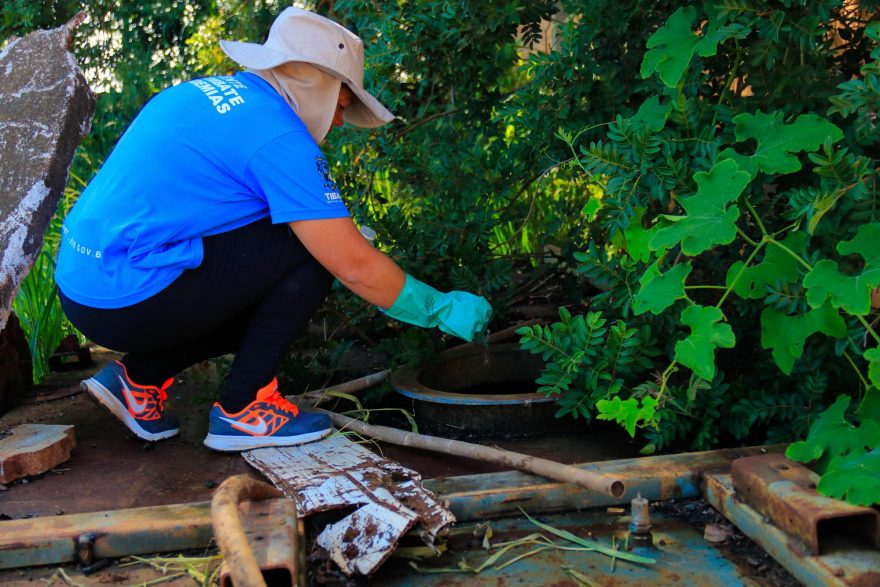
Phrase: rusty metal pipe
x=228 y=529
x=599 y=482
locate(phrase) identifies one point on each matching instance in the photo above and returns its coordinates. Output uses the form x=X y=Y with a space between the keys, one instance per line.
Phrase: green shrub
x=738 y=211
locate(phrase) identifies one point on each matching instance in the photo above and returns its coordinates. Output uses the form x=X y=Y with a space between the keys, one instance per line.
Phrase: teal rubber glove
x=458 y=312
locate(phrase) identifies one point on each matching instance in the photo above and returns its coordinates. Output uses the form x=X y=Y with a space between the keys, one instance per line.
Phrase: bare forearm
x=340 y=248
x=377 y=280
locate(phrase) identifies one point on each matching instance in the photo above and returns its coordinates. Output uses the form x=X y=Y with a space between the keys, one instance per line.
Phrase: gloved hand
x=457 y=312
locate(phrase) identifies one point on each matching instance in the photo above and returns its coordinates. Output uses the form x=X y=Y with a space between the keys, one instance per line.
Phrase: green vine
x=670 y=231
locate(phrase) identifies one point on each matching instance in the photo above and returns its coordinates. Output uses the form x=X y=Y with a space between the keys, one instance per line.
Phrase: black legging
x=253 y=294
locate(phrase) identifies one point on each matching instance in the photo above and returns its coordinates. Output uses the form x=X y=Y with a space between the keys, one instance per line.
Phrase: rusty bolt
x=640 y=523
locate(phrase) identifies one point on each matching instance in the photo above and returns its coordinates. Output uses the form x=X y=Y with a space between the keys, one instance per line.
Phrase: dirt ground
x=112 y=469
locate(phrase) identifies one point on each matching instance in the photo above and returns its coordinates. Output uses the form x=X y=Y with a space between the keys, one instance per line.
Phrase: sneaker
x=269 y=420
x=140 y=407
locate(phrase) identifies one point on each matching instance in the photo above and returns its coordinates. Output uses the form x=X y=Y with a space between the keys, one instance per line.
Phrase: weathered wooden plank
x=32 y=449
x=361 y=542
x=335 y=473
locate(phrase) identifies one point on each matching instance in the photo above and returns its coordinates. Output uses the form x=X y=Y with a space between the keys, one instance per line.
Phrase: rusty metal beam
x=785 y=492
x=46 y=541
x=277 y=540
x=43 y=541
x=683 y=557
x=481 y=497
x=844 y=564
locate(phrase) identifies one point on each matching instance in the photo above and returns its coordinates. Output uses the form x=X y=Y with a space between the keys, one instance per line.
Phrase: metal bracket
x=845 y=566
x=85 y=549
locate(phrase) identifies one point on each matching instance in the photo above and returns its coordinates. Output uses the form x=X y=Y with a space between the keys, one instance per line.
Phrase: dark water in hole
x=498 y=388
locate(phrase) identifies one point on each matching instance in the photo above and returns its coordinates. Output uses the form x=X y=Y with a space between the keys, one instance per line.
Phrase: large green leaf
x=710 y=218
x=658 y=290
x=777 y=142
x=627 y=412
x=873 y=358
x=869 y=409
x=652 y=114
x=672 y=46
x=777 y=266
x=786 y=334
x=591 y=208
x=852 y=293
x=855 y=478
x=637 y=238
x=697 y=351
x=832 y=436
x=872 y=31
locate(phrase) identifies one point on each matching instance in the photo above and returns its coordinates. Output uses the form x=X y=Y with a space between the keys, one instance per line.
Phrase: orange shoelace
x=277 y=400
x=163 y=393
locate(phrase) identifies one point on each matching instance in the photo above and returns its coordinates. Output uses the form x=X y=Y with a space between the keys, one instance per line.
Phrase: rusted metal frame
x=785 y=492
x=229 y=532
x=46 y=541
x=845 y=565
x=479 y=497
x=683 y=557
x=277 y=540
x=43 y=541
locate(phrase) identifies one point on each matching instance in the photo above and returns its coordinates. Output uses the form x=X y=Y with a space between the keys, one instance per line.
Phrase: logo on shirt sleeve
x=331 y=191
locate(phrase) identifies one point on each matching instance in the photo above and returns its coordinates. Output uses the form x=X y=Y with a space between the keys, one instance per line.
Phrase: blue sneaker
x=269 y=420
x=140 y=407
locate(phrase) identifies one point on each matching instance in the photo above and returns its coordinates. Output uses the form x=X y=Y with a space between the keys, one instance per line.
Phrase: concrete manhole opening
x=479 y=392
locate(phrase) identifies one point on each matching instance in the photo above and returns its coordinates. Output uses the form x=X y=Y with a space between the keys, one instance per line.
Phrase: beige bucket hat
x=303 y=36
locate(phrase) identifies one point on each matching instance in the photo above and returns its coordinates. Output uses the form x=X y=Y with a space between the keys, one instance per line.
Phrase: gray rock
x=46 y=108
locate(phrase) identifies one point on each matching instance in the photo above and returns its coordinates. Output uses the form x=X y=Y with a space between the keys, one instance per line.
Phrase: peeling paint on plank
x=335 y=473
x=361 y=542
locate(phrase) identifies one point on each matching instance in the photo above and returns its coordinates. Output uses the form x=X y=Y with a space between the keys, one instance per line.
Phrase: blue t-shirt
x=203 y=157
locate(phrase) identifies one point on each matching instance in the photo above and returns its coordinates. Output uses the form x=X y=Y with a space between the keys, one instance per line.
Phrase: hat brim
x=367 y=113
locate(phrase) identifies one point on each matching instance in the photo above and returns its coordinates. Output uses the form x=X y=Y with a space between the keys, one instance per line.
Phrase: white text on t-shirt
x=222 y=91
